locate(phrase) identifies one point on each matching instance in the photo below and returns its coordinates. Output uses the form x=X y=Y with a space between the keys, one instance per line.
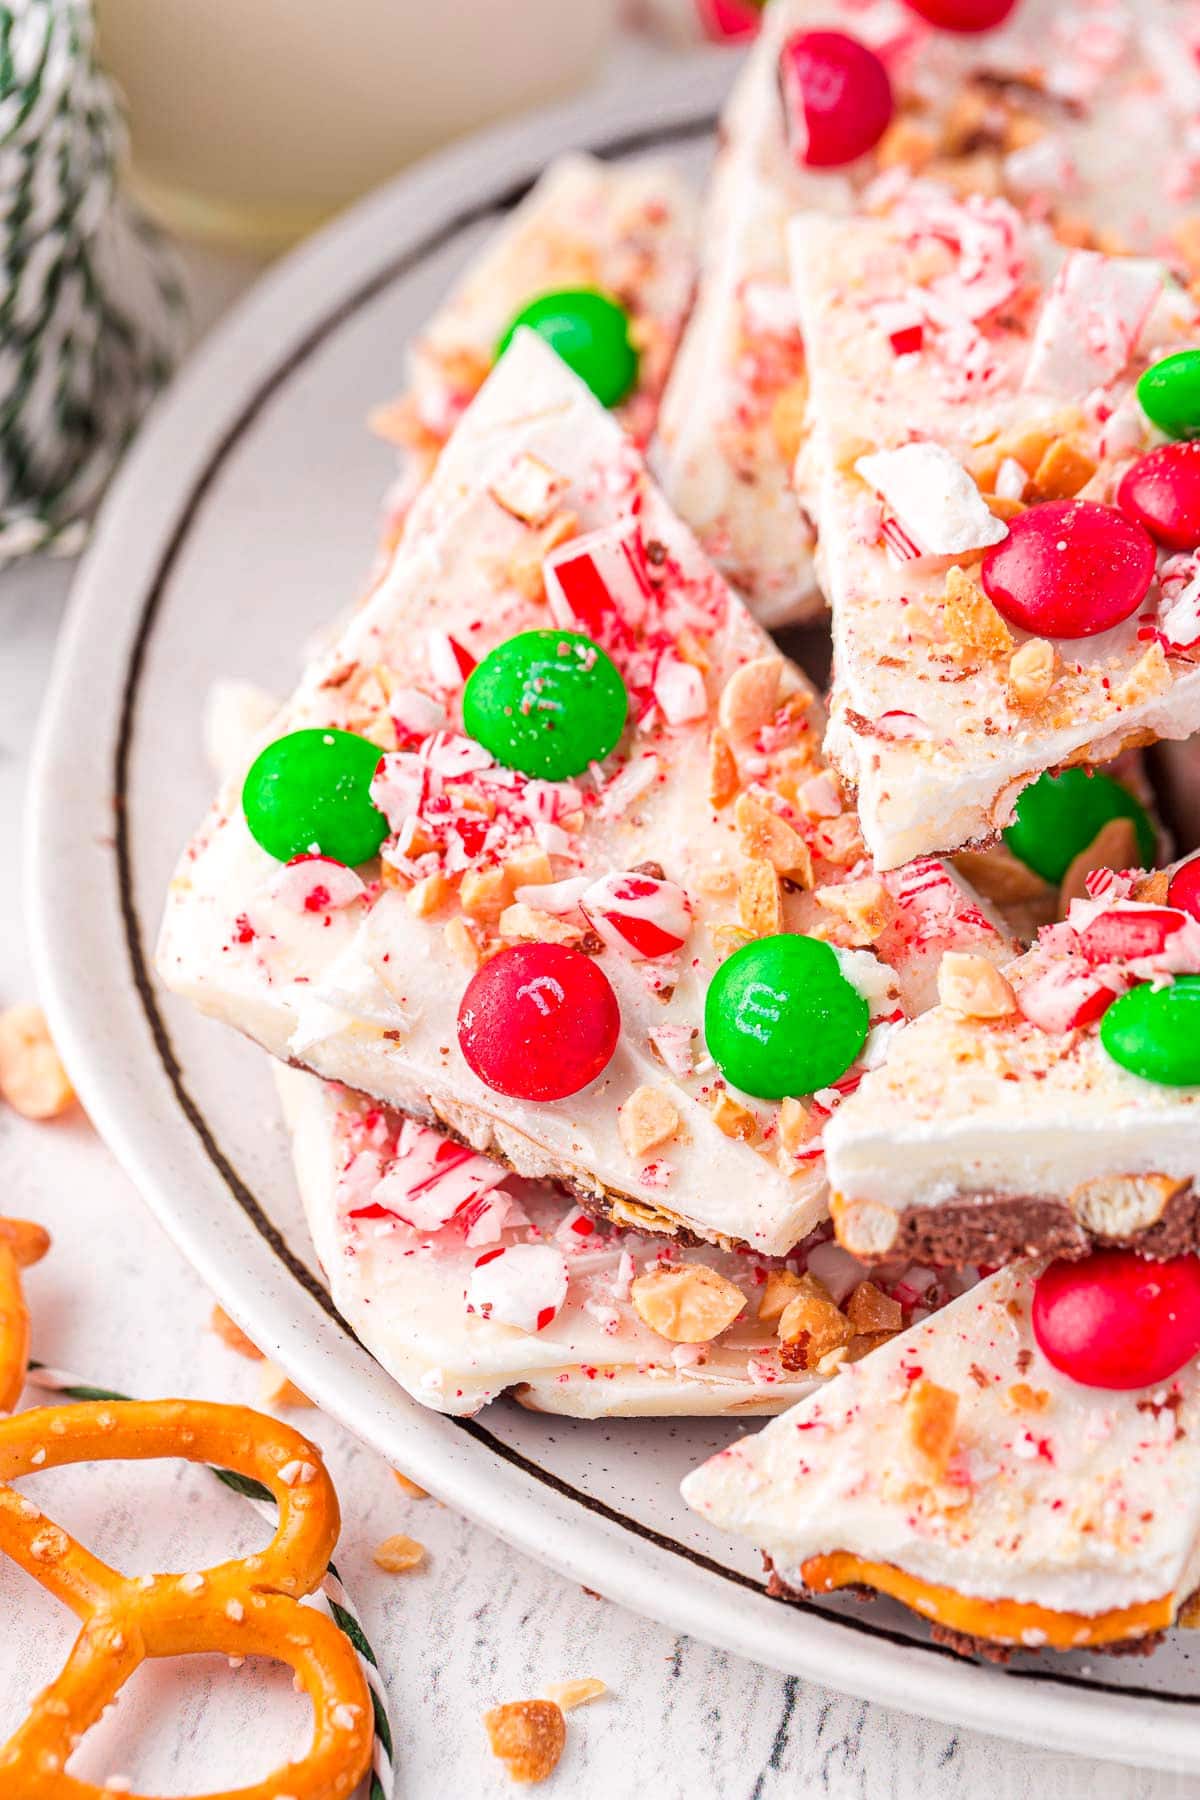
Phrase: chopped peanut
x=528 y=1737
x=779 y=1290
x=1153 y=889
x=797 y=1125
x=1020 y=1397
x=1115 y=846
x=973 y=987
x=483 y=894
x=398 y=1554
x=1062 y=471
x=728 y=938
x=519 y=923
x=722 y=770
x=32 y=1078
x=274 y=1388
x=461 y=943
x=811 y=1327
x=869 y=1309
x=905 y=144
x=864 y=906
x=1148 y=676
x=750 y=697
x=1031 y=672
x=529 y=867
x=734 y=1119
x=974 y=630
x=765 y=837
x=428 y=895
x=687 y=1305
x=233 y=1335
x=575 y=1693
x=646 y=1120
x=529 y=490
x=408 y=1487
x=760 y=903
x=839 y=840
x=930 y=1419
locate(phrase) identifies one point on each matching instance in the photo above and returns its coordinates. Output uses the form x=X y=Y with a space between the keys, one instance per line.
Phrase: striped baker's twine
x=332 y=1597
x=91 y=303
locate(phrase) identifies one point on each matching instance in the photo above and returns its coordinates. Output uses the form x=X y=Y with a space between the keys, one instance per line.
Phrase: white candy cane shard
x=933 y=497
x=523 y=1285
x=316 y=884
x=1089 y=322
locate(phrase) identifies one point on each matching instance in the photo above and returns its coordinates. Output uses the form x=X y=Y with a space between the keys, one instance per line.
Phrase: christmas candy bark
x=605 y=254
x=1009 y=557
x=466 y=1282
x=597 y=789
x=833 y=93
x=991 y=1468
x=1051 y=1107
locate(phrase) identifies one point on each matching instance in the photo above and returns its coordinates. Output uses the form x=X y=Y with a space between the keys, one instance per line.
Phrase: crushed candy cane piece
x=599 y=579
x=935 y=500
x=316 y=884
x=643 y=915
x=529 y=489
x=1089 y=322
x=679 y=691
x=523 y=1285
x=431 y=1178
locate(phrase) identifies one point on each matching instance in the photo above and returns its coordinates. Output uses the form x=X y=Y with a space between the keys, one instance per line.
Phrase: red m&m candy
x=1184 y=891
x=1116 y=1320
x=837 y=99
x=1069 y=568
x=1162 y=491
x=538 y=1022
x=963 y=15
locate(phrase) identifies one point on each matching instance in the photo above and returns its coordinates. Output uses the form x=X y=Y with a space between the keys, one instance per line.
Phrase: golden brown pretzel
x=247 y=1607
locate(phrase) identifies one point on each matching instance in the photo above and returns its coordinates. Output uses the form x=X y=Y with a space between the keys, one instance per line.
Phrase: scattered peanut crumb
x=568 y=1694
x=750 y=696
x=528 y=1737
x=973 y=987
x=688 y=1305
x=865 y=907
x=646 y=1120
x=930 y=1420
x=734 y=1119
x=409 y=1487
x=869 y=1309
x=766 y=837
x=760 y=904
x=1031 y=672
x=233 y=1336
x=779 y=1290
x=429 y=895
x=32 y=1077
x=398 y=1554
x=811 y=1326
x=797 y=1125
x=722 y=771
x=274 y=1388
x=975 y=632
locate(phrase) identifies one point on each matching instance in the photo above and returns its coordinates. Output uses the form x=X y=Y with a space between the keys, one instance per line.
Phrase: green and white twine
x=91 y=306
x=332 y=1597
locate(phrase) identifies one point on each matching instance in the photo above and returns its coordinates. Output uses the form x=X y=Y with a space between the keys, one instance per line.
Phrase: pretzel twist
x=246 y=1607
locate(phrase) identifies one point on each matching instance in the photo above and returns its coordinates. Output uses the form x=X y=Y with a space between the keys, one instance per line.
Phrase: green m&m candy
x=781 y=1018
x=547 y=703
x=314 y=788
x=1060 y=815
x=1169 y=394
x=590 y=332
x=1155 y=1032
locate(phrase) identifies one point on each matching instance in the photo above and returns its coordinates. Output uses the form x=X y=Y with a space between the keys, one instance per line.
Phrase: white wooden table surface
x=480 y=1624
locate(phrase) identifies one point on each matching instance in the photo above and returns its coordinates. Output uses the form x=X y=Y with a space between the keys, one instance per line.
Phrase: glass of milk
x=253 y=120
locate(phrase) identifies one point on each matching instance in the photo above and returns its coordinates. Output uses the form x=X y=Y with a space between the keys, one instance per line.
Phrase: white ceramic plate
x=242 y=521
